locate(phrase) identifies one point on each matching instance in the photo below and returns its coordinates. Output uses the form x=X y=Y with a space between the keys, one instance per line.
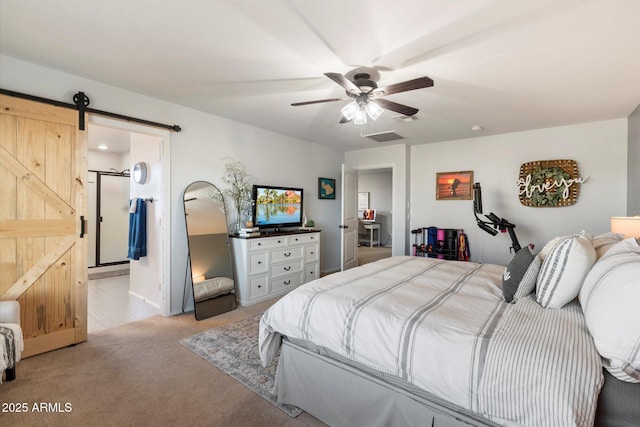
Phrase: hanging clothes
x=137 y=229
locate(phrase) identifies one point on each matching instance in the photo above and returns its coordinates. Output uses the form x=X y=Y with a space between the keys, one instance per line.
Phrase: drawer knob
x=259 y=262
x=287 y=268
x=279 y=241
x=312 y=252
x=288 y=254
x=259 y=286
x=288 y=282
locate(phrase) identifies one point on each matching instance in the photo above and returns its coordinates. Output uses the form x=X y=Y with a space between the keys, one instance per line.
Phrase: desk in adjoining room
x=372 y=227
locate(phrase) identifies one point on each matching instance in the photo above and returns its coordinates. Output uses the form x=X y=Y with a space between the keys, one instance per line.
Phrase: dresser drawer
x=258 y=262
x=285 y=268
x=311 y=253
x=287 y=282
x=267 y=243
x=258 y=286
x=303 y=238
x=311 y=272
x=279 y=255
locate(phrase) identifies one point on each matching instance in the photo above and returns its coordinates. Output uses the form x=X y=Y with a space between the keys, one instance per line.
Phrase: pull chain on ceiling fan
x=367 y=97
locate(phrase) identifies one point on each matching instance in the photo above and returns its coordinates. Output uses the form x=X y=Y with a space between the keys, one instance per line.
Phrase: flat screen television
x=277 y=206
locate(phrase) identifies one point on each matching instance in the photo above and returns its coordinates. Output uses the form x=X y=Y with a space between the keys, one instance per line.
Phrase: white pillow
x=610 y=299
x=603 y=242
x=550 y=245
x=211 y=288
x=564 y=270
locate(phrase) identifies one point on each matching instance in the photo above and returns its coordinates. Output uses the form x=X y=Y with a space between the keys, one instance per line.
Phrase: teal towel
x=138 y=230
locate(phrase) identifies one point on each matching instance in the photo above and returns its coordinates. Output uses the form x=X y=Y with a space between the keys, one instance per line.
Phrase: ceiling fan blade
x=398 y=108
x=414 y=84
x=344 y=82
x=344 y=120
x=296 y=104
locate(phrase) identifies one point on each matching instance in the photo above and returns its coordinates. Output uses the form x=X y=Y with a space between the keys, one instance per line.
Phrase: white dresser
x=272 y=265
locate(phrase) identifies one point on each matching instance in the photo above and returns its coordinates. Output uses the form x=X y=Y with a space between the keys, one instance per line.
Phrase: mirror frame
x=222 y=303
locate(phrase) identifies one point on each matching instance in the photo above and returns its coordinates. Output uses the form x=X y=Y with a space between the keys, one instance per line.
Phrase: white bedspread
x=444 y=327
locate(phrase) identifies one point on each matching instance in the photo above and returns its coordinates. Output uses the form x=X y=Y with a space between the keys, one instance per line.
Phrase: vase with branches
x=238 y=190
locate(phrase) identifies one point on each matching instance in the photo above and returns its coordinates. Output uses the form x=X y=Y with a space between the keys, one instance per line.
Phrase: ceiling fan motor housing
x=364 y=82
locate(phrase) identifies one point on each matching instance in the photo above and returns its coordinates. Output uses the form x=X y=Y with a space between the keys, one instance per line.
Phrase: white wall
x=196 y=152
x=600 y=149
x=145 y=276
x=103 y=161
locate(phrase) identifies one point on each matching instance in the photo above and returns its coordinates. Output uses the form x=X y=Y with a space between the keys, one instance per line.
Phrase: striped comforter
x=444 y=327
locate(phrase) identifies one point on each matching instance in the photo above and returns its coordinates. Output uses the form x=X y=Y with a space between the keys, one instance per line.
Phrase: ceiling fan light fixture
x=360 y=118
x=373 y=110
x=350 y=110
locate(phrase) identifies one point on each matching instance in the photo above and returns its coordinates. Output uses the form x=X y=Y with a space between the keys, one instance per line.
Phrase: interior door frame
x=349 y=220
x=398 y=242
x=165 y=135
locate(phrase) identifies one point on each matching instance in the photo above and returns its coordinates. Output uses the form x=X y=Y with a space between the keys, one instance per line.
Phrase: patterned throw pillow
x=564 y=270
x=520 y=276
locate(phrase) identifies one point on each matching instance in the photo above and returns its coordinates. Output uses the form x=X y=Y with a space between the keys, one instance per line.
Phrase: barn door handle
x=82 y=226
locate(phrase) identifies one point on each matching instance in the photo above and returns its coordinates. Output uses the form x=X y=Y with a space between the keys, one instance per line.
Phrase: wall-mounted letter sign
x=549 y=183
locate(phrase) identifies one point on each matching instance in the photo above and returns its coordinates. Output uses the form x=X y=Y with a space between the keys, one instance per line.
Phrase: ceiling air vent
x=384 y=136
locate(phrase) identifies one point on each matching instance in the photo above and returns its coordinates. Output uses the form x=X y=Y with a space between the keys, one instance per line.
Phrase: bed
x=423 y=341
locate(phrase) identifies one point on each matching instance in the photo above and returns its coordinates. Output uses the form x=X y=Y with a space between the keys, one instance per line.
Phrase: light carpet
x=233 y=348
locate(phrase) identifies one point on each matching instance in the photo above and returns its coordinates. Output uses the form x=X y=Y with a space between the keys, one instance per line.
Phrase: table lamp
x=629 y=226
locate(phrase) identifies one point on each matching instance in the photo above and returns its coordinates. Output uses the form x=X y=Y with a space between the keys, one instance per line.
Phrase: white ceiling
x=505 y=65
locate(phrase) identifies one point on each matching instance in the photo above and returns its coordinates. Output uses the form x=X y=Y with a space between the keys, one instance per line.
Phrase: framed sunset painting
x=454 y=185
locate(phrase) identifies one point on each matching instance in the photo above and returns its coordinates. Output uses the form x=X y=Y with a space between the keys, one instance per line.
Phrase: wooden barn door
x=43 y=259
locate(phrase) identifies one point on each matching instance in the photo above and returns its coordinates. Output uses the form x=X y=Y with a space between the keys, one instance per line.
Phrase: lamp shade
x=360 y=118
x=350 y=110
x=373 y=110
x=629 y=226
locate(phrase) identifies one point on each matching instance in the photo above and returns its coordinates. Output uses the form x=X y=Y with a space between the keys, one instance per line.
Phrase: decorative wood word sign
x=549 y=183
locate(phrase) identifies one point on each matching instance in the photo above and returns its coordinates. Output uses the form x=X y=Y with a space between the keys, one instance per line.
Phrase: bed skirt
x=341 y=395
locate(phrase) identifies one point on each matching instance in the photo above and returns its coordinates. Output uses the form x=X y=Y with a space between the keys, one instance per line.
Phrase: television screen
x=275 y=207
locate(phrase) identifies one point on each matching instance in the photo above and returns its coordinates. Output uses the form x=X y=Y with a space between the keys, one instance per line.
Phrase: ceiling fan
x=367 y=96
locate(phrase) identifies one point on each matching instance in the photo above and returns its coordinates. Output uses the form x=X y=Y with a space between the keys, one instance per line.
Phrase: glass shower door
x=113 y=211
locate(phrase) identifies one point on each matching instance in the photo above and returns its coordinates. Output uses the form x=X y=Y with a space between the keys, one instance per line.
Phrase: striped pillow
x=564 y=270
x=609 y=298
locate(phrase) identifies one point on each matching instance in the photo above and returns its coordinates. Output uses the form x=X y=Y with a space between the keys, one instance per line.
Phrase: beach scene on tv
x=275 y=206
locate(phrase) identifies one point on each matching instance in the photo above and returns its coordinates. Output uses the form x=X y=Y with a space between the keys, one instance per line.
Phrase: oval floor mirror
x=209 y=261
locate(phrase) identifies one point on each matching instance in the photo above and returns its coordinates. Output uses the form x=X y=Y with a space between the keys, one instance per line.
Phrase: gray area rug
x=233 y=348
